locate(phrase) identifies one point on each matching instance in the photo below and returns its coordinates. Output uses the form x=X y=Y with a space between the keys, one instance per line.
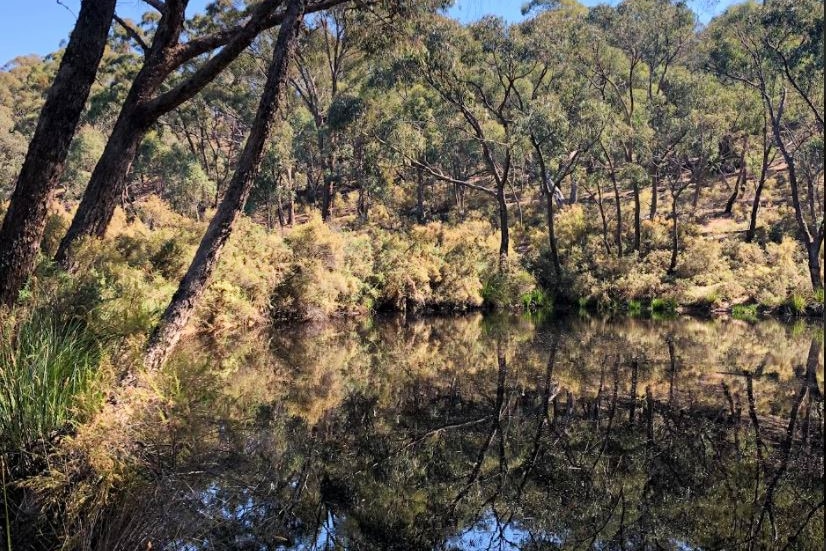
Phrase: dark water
x=502 y=434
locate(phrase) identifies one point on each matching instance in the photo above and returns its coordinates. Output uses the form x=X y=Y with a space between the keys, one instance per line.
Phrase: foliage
x=47 y=372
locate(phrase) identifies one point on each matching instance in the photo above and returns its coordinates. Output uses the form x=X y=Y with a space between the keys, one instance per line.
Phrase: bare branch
x=133 y=33
x=157 y=4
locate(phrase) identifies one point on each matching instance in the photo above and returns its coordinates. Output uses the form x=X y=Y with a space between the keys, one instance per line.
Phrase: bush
x=745 y=312
x=507 y=286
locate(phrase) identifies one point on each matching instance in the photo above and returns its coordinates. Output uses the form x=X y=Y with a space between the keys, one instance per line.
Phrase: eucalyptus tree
x=703 y=115
x=25 y=219
x=194 y=282
x=480 y=72
x=156 y=91
x=328 y=55
x=560 y=117
x=777 y=50
x=639 y=42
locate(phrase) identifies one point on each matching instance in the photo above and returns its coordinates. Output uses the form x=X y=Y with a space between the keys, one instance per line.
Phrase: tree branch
x=133 y=33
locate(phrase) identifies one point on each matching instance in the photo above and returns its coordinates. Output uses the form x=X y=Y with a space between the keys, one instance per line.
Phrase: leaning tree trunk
x=741 y=179
x=107 y=183
x=25 y=219
x=146 y=102
x=764 y=171
x=194 y=283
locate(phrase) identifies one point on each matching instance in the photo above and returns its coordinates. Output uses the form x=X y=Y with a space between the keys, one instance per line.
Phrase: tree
x=25 y=219
x=147 y=101
x=777 y=50
x=192 y=286
x=478 y=73
x=561 y=121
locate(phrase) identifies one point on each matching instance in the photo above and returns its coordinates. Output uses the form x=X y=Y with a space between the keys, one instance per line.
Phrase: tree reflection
x=474 y=433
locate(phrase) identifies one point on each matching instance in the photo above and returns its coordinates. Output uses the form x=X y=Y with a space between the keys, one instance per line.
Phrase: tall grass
x=45 y=368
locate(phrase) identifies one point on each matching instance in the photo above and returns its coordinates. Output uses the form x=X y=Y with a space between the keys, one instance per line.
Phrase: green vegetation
x=234 y=176
x=47 y=371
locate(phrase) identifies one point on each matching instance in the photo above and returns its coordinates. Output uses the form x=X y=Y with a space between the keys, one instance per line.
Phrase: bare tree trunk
x=291 y=201
x=327 y=193
x=419 y=196
x=548 y=188
x=618 y=205
x=655 y=180
x=637 y=229
x=504 y=235
x=25 y=220
x=194 y=283
x=764 y=170
x=741 y=179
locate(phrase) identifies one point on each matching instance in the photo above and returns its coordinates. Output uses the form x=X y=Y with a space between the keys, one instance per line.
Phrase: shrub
x=745 y=312
x=663 y=306
x=505 y=287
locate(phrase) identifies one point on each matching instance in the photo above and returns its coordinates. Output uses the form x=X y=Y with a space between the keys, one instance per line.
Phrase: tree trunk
x=637 y=230
x=25 y=219
x=144 y=106
x=327 y=197
x=741 y=179
x=107 y=183
x=813 y=251
x=194 y=283
x=419 y=196
x=675 y=244
x=504 y=236
x=549 y=189
x=764 y=170
x=618 y=230
x=810 y=242
x=655 y=180
x=601 y=209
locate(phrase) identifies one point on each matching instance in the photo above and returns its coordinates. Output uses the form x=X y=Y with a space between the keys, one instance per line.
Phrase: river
x=495 y=433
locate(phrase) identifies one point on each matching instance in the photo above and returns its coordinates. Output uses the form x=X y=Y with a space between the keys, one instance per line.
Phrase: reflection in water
x=476 y=433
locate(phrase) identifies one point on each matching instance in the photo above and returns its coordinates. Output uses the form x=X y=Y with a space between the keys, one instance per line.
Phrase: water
x=491 y=434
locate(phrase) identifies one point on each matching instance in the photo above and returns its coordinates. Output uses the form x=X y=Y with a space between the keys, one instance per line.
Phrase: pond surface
x=492 y=434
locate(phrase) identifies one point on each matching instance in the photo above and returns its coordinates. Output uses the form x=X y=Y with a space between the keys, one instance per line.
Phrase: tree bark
x=419 y=196
x=764 y=170
x=194 y=283
x=675 y=243
x=741 y=179
x=548 y=189
x=504 y=236
x=655 y=180
x=25 y=220
x=637 y=228
x=107 y=183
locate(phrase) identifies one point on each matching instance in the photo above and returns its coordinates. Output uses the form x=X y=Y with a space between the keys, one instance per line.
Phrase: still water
x=491 y=434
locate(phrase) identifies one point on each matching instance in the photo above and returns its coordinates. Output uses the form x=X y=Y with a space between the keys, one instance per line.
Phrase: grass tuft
x=45 y=369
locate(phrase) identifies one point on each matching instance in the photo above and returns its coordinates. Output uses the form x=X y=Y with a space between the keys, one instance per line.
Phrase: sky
x=39 y=26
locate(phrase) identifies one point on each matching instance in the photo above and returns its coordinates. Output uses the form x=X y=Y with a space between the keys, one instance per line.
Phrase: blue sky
x=38 y=26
